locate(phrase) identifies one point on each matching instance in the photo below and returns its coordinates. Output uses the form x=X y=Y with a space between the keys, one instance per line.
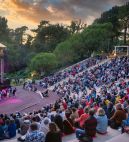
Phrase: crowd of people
x=30 y=86
x=70 y=71
x=104 y=75
x=61 y=75
x=7 y=92
x=89 y=103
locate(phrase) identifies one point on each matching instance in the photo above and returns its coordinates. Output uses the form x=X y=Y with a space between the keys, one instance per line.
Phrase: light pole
x=2 y=47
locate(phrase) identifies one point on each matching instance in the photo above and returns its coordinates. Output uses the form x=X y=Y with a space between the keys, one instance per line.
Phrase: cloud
x=61 y=11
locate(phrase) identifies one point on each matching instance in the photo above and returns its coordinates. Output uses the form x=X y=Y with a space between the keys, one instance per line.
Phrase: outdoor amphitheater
x=64 y=70
x=94 y=82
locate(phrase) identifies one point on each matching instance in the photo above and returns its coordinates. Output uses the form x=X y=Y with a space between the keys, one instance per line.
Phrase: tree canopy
x=53 y=46
x=43 y=62
x=119 y=17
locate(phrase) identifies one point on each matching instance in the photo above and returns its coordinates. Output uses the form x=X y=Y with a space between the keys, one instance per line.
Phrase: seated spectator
x=68 y=112
x=89 y=126
x=127 y=106
x=102 y=121
x=35 y=119
x=68 y=128
x=125 y=123
x=17 y=122
x=5 y=128
x=95 y=106
x=74 y=115
x=1 y=120
x=80 y=111
x=44 y=126
x=59 y=120
x=11 y=129
x=103 y=105
x=24 y=127
x=35 y=135
x=2 y=134
x=83 y=117
x=53 y=135
x=118 y=117
x=110 y=110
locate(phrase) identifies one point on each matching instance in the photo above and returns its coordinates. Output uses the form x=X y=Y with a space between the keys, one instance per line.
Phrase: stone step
x=121 y=138
x=99 y=138
x=11 y=140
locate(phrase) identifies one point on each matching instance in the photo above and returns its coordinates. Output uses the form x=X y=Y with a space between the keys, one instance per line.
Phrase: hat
x=27 y=121
x=46 y=121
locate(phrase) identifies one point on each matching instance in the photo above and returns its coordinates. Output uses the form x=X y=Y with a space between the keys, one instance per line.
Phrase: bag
x=86 y=139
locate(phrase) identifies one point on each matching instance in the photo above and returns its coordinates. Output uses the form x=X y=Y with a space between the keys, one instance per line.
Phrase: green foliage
x=22 y=74
x=48 y=36
x=4 y=30
x=76 y=26
x=124 y=20
x=77 y=44
x=119 y=17
x=19 y=33
x=65 y=53
x=17 y=58
x=43 y=62
x=54 y=45
x=94 y=38
x=97 y=37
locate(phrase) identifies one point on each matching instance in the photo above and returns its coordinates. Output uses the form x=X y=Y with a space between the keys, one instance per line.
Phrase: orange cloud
x=31 y=12
x=23 y=13
x=36 y=13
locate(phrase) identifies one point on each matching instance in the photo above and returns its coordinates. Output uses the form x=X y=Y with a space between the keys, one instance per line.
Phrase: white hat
x=46 y=121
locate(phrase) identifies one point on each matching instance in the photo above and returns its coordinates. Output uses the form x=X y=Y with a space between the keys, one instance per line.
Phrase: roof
x=2 y=45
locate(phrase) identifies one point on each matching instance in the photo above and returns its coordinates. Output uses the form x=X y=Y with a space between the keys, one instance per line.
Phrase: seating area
x=95 y=100
x=111 y=136
x=64 y=70
x=59 y=76
x=99 y=138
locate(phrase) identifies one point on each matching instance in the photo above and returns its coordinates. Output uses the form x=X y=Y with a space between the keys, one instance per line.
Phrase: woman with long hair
x=54 y=134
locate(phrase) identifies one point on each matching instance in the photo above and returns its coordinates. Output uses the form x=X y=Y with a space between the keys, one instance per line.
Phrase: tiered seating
x=111 y=136
x=99 y=138
x=120 y=138
x=110 y=77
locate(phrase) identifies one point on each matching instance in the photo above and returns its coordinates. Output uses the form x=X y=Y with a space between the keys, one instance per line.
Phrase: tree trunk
x=125 y=35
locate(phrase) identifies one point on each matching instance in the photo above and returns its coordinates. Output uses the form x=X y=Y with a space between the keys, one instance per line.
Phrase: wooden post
x=2 y=69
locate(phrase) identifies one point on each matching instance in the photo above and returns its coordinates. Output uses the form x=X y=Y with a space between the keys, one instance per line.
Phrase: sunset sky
x=31 y=12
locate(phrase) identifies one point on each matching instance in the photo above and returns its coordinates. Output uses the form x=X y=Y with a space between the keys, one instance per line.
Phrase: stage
x=26 y=101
